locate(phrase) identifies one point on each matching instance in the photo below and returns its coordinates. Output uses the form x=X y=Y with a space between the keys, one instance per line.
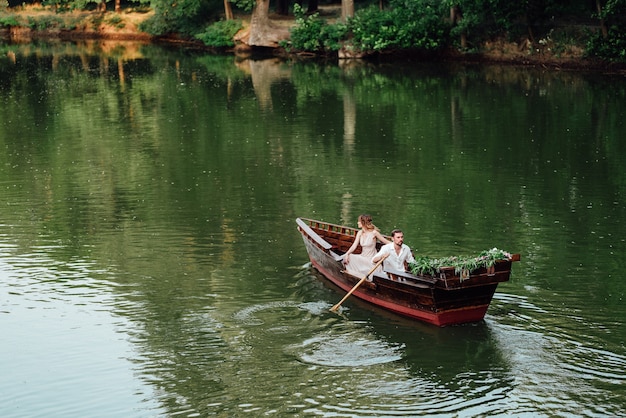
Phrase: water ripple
x=348 y=350
x=68 y=353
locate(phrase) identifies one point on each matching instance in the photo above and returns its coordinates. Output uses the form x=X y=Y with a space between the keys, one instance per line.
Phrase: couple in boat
x=396 y=254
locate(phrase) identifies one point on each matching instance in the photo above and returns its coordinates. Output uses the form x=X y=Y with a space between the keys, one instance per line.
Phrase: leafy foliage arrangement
x=487 y=258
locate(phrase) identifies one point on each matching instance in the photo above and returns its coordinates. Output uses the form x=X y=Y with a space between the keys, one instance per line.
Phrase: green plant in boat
x=487 y=258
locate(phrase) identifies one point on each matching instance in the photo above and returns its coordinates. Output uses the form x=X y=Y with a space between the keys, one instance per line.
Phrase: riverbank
x=39 y=22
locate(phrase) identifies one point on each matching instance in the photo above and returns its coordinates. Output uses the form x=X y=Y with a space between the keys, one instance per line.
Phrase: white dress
x=360 y=264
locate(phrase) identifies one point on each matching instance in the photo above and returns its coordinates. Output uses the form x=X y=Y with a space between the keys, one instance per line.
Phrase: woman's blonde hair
x=366 y=222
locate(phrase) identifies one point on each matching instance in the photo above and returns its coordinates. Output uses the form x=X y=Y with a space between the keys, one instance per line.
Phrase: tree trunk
x=259 y=22
x=455 y=17
x=262 y=32
x=118 y=6
x=228 y=10
x=453 y=12
x=605 y=30
x=347 y=9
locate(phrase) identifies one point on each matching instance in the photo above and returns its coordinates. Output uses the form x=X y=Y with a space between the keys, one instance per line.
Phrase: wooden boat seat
x=410 y=276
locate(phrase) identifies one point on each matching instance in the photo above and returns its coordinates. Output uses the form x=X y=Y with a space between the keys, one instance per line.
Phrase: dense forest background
x=583 y=28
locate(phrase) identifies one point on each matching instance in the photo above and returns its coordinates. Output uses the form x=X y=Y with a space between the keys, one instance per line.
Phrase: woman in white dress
x=360 y=264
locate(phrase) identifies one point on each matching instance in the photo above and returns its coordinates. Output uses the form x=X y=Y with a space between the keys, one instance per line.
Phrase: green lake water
x=150 y=263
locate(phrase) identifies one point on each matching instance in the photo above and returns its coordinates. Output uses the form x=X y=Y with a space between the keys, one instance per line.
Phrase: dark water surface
x=150 y=263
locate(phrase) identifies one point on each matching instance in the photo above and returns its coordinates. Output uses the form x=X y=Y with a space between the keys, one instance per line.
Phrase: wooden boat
x=444 y=298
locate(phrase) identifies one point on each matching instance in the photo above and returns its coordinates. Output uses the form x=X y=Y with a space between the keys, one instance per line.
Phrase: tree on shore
x=263 y=32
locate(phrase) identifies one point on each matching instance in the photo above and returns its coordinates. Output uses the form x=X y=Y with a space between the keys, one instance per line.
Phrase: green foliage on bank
x=46 y=23
x=314 y=34
x=409 y=24
x=406 y=25
x=422 y=25
x=8 y=21
x=612 y=48
x=431 y=25
x=220 y=34
x=186 y=17
x=612 y=44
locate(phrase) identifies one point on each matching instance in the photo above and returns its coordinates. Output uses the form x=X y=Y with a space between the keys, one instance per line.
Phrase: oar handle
x=334 y=308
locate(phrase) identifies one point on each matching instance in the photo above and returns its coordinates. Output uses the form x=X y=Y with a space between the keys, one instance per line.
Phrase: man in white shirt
x=397 y=255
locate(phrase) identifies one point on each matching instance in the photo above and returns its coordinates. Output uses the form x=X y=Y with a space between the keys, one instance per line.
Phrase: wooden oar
x=334 y=308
